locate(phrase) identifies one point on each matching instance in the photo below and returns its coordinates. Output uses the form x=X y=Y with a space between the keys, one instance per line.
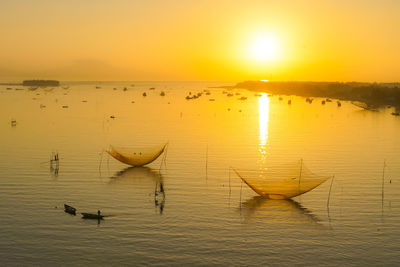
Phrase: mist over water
x=208 y=216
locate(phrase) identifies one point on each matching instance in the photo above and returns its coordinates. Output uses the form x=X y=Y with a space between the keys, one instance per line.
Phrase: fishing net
x=136 y=156
x=281 y=182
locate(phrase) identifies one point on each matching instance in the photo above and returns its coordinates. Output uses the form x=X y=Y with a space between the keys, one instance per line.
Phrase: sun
x=264 y=48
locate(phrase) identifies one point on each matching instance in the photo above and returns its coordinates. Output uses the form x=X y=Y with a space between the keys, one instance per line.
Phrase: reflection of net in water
x=137 y=175
x=146 y=178
x=278 y=211
x=281 y=182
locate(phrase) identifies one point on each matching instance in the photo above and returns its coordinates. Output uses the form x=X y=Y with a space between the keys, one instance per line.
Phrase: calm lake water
x=208 y=216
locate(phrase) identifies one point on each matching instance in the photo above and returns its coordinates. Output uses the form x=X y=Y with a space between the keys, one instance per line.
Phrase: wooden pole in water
x=383 y=180
x=241 y=184
x=229 y=181
x=301 y=169
x=329 y=195
x=207 y=162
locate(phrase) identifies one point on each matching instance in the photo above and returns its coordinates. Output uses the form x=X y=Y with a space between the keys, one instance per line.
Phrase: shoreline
x=374 y=95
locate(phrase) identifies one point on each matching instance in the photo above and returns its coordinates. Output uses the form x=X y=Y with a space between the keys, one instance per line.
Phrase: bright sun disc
x=264 y=48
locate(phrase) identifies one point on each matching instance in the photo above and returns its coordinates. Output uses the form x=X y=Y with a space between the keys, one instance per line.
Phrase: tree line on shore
x=373 y=94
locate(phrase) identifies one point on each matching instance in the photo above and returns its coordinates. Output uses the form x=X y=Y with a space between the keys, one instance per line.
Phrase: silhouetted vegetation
x=373 y=94
x=40 y=83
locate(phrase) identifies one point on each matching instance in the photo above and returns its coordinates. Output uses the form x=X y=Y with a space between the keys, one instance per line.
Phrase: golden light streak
x=263 y=115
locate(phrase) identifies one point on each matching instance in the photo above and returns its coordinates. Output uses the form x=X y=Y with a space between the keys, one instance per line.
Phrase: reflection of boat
x=279 y=211
x=69 y=209
x=281 y=182
x=136 y=156
x=92 y=216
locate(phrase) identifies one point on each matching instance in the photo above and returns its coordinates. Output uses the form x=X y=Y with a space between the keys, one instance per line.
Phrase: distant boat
x=92 y=216
x=363 y=105
x=69 y=209
x=136 y=156
x=144 y=94
x=243 y=98
x=162 y=93
x=396 y=113
x=323 y=102
x=339 y=104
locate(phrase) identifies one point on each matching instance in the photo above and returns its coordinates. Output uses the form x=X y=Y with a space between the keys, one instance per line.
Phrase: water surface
x=208 y=216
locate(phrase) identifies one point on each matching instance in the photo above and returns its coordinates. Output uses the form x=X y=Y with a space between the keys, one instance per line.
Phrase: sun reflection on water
x=263 y=115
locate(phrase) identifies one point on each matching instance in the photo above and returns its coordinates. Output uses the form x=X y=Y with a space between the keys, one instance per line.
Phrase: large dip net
x=281 y=182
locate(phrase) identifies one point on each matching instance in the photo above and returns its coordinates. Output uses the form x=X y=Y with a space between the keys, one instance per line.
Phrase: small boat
x=396 y=113
x=162 y=93
x=69 y=209
x=339 y=104
x=243 y=98
x=144 y=94
x=323 y=102
x=92 y=216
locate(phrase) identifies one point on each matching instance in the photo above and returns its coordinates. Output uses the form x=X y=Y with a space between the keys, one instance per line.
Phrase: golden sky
x=353 y=40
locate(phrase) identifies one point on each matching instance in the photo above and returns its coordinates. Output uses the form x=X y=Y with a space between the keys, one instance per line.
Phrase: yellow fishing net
x=136 y=156
x=281 y=182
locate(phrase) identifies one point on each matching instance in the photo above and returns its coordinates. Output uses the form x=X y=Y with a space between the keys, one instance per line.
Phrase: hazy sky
x=200 y=40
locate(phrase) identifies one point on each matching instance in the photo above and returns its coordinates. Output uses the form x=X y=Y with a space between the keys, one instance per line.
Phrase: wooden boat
x=69 y=209
x=92 y=216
